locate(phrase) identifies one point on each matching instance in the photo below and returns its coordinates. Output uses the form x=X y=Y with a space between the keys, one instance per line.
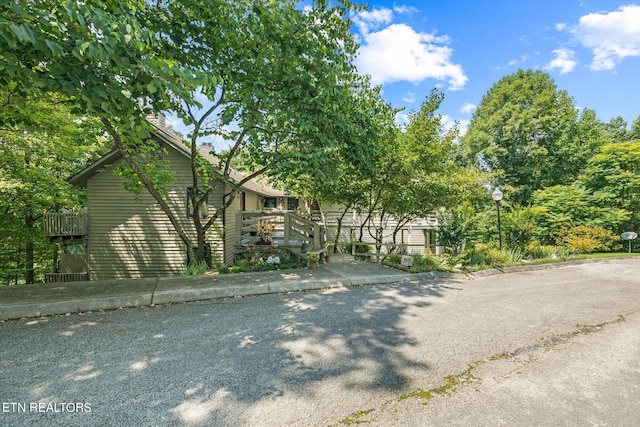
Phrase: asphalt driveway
x=558 y=346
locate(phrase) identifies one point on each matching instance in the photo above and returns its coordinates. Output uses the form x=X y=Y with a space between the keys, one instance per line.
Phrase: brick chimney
x=158 y=120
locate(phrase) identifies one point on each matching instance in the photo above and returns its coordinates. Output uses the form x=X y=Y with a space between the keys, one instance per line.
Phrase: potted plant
x=264 y=230
x=328 y=251
x=312 y=260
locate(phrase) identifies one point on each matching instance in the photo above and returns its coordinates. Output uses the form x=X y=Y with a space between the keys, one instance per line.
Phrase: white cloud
x=463 y=127
x=402 y=9
x=468 y=108
x=564 y=61
x=449 y=123
x=367 y=21
x=560 y=26
x=409 y=97
x=611 y=36
x=522 y=59
x=399 y=53
x=513 y=62
x=402 y=118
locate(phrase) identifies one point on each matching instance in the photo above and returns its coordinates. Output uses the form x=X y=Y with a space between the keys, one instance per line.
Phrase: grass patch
x=248 y=267
x=197 y=269
x=508 y=261
x=449 y=385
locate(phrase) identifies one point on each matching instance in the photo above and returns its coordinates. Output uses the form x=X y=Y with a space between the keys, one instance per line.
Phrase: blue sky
x=463 y=47
x=590 y=48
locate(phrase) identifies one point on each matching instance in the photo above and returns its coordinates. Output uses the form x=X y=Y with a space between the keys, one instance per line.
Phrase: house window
x=292 y=204
x=204 y=208
x=270 y=202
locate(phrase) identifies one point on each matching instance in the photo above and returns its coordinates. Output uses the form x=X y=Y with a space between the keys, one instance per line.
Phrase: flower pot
x=327 y=258
x=313 y=265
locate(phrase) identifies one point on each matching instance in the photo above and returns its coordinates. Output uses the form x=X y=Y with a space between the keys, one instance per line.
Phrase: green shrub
x=534 y=250
x=394 y=259
x=538 y=251
x=513 y=255
x=518 y=226
x=456 y=228
x=425 y=262
x=550 y=251
x=421 y=263
x=561 y=251
x=495 y=256
x=588 y=239
x=483 y=254
x=243 y=263
x=447 y=260
x=195 y=269
x=582 y=244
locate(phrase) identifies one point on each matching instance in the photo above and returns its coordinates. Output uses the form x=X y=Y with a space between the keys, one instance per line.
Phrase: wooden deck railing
x=289 y=227
x=65 y=277
x=246 y=220
x=355 y=219
x=301 y=229
x=65 y=224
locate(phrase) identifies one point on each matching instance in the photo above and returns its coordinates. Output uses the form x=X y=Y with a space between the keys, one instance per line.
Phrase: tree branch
x=146 y=182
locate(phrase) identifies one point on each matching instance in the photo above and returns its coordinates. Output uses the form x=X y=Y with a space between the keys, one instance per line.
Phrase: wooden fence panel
x=65 y=224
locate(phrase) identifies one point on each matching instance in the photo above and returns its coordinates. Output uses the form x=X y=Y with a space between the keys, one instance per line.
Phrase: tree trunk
x=323 y=218
x=149 y=186
x=29 y=248
x=339 y=229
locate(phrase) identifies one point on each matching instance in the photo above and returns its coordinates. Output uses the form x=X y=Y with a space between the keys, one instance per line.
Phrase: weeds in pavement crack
x=451 y=383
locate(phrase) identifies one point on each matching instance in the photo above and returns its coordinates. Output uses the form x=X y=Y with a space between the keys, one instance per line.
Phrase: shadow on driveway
x=221 y=362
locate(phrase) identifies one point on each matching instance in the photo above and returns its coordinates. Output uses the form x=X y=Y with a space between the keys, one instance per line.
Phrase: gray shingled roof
x=174 y=141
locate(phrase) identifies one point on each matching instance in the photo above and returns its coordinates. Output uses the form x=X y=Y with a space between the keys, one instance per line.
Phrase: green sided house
x=124 y=235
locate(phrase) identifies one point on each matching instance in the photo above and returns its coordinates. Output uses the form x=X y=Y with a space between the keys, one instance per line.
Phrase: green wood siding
x=130 y=237
x=252 y=201
x=231 y=238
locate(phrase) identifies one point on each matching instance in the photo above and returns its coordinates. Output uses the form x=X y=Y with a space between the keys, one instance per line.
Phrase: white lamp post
x=497 y=196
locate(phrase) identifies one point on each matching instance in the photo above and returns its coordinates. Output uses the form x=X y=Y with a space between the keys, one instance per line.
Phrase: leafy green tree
x=617 y=129
x=418 y=174
x=42 y=143
x=634 y=133
x=613 y=176
x=587 y=136
x=567 y=206
x=518 y=226
x=282 y=75
x=456 y=228
x=527 y=133
x=343 y=177
x=102 y=55
x=285 y=99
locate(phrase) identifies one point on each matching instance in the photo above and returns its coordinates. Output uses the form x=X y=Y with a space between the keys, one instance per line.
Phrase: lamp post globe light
x=497 y=196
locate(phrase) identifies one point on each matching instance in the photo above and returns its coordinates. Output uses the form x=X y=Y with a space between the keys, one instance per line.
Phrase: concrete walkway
x=61 y=298
x=48 y=299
